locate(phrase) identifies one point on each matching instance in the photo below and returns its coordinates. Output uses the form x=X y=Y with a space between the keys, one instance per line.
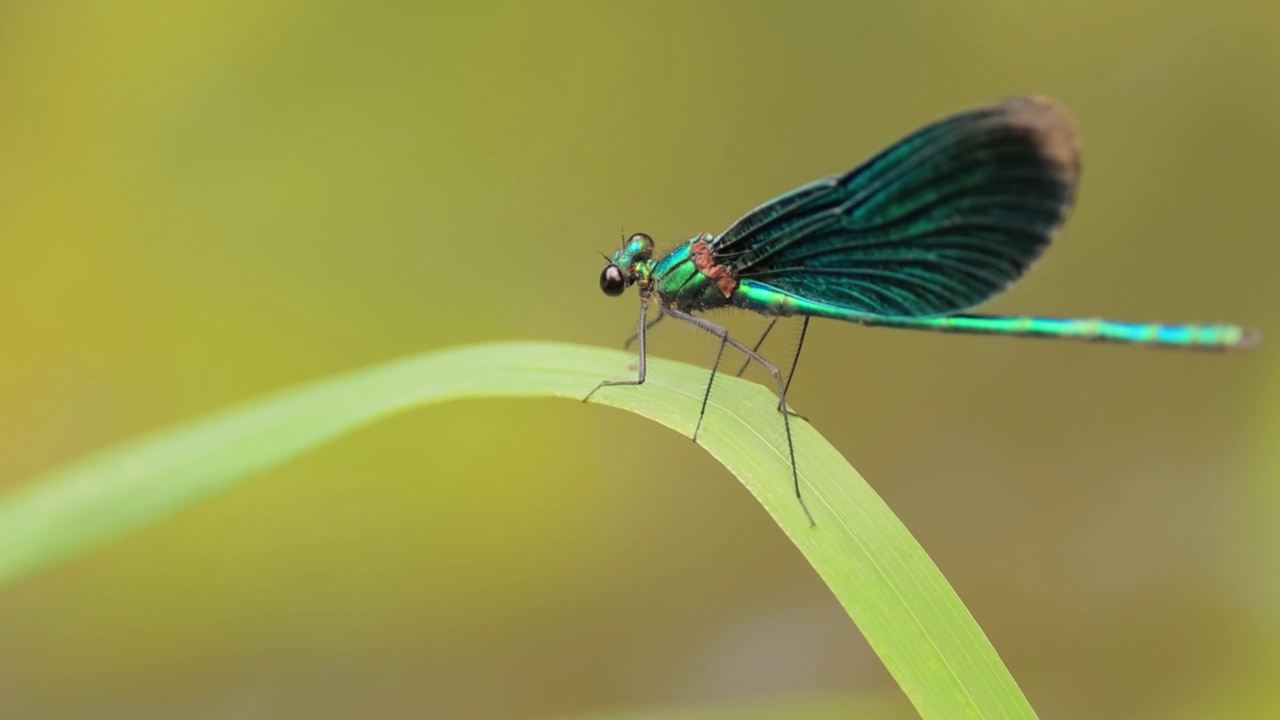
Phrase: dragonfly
x=933 y=225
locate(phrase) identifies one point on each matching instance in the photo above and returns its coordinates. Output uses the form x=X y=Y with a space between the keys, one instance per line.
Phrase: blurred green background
x=202 y=202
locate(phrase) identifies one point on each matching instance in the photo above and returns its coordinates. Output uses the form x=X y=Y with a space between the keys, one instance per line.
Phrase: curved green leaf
x=881 y=575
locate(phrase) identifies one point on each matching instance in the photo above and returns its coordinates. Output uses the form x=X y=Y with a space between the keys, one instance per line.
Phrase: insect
x=933 y=225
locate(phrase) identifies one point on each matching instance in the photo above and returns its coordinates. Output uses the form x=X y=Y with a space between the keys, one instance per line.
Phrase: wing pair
x=935 y=224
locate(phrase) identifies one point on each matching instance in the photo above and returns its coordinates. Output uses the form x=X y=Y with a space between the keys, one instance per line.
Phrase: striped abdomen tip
x=1249 y=338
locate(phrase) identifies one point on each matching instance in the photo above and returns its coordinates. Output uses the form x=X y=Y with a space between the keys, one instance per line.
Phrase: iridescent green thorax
x=723 y=276
x=690 y=279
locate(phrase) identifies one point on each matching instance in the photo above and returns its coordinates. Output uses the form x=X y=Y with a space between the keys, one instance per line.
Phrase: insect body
x=930 y=227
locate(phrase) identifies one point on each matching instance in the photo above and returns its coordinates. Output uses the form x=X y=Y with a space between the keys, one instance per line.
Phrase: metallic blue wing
x=936 y=223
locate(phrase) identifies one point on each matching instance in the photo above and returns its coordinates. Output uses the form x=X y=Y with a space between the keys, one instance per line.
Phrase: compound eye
x=611 y=280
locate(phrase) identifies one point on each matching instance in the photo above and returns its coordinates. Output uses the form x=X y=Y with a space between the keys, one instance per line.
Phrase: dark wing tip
x=1050 y=125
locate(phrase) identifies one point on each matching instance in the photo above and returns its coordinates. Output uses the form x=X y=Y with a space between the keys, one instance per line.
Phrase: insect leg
x=640 y=327
x=702 y=411
x=636 y=334
x=772 y=370
x=804 y=329
x=768 y=328
x=790 y=373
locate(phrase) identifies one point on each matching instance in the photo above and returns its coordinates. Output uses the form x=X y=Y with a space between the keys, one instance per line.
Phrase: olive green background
x=202 y=202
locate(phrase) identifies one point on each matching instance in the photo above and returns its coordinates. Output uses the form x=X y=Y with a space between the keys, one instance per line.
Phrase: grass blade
x=879 y=573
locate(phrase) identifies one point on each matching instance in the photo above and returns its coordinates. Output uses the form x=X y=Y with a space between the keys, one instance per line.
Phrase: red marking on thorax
x=721 y=275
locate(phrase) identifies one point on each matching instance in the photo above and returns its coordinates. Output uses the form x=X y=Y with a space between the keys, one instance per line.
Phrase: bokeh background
x=204 y=201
